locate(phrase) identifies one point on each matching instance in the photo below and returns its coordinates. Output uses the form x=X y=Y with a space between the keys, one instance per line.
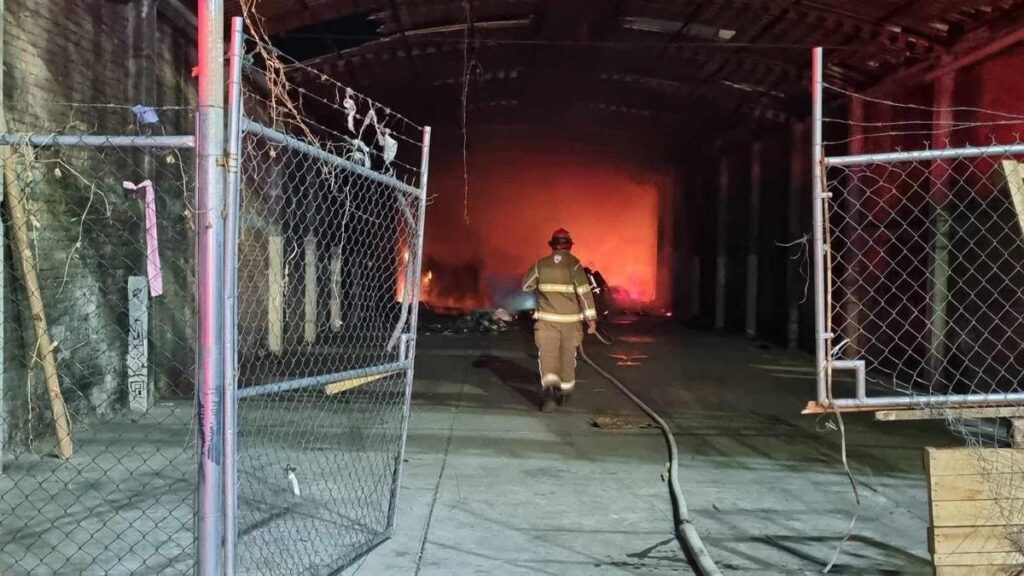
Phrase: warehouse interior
x=672 y=138
x=676 y=107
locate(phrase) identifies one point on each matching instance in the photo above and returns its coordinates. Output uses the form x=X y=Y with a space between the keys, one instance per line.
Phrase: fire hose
x=685 y=531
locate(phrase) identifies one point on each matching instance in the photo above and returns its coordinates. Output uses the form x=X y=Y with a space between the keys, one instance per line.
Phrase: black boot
x=550 y=402
x=563 y=398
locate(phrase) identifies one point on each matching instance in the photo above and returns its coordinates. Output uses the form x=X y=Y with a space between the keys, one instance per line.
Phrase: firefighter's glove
x=591 y=327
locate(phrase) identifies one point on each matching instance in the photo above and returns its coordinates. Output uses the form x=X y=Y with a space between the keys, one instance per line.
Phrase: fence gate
x=919 y=281
x=328 y=248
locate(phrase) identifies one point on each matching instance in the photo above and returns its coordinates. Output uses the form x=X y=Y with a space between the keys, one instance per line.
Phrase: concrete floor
x=492 y=486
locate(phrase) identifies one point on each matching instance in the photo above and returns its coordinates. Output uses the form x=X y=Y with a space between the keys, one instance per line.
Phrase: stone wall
x=77 y=67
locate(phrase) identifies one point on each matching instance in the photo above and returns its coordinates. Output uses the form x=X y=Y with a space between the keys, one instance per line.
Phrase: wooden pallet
x=976 y=502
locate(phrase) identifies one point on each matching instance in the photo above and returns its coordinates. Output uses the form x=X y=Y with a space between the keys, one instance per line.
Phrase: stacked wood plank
x=976 y=497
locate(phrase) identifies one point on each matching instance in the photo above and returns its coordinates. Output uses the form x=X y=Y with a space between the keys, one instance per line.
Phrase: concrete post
x=310 y=321
x=137 y=357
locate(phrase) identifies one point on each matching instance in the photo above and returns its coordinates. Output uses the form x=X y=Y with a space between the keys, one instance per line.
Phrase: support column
x=942 y=118
x=275 y=293
x=796 y=279
x=853 y=234
x=755 y=238
x=695 y=287
x=335 y=304
x=309 y=324
x=722 y=244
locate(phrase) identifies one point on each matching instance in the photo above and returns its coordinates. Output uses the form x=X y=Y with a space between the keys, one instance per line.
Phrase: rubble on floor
x=608 y=422
x=480 y=322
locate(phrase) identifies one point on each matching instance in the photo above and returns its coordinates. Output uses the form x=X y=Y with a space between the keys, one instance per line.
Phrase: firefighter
x=564 y=303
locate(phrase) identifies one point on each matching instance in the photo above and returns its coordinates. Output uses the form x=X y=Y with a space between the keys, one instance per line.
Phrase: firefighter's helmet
x=560 y=240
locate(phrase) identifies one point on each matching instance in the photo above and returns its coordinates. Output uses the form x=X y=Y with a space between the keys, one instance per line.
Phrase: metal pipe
x=257 y=129
x=409 y=342
x=915 y=401
x=926 y=155
x=94 y=141
x=210 y=290
x=860 y=371
x=3 y=243
x=818 y=223
x=321 y=380
x=232 y=193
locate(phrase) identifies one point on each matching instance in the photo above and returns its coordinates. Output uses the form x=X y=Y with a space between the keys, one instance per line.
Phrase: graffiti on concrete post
x=137 y=358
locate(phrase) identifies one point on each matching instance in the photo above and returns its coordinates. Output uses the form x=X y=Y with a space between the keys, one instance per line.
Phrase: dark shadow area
x=514 y=375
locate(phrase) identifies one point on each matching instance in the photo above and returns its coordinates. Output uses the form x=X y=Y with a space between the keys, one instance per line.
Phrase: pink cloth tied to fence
x=147 y=193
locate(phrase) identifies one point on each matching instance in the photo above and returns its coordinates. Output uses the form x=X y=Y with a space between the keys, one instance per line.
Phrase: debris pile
x=479 y=322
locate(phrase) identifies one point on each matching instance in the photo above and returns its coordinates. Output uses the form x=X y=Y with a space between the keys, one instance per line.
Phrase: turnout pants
x=557 y=343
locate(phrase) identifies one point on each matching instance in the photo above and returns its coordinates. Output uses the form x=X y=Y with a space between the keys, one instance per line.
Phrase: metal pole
x=929 y=155
x=818 y=219
x=232 y=192
x=409 y=341
x=95 y=141
x=210 y=289
x=3 y=244
x=992 y=399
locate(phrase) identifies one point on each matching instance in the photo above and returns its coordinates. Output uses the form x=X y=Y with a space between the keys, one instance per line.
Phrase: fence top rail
x=98 y=141
x=925 y=155
x=288 y=141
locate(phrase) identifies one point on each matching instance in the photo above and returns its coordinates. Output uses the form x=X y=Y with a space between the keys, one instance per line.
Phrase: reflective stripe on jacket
x=562 y=288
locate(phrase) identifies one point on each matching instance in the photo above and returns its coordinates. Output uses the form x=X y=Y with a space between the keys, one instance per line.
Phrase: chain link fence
x=96 y=404
x=102 y=399
x=926 y=272
x=922 y=265
x=325 y=281
x=921 y=283
x=328 y=274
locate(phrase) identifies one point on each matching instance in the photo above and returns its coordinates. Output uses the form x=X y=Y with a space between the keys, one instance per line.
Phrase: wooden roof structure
x=669 y=62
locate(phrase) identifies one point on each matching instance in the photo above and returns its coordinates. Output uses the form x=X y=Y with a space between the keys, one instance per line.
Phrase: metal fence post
x=818 y=224
x=409 y=341
x=210 y=289
x=232 y=192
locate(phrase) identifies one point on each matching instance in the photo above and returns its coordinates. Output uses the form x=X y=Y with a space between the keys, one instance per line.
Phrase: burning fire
x=523 y=188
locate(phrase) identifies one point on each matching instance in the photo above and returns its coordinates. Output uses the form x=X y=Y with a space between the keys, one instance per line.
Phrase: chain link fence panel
x=99 y=360
x=325 y=280
x=924 y=283
x=927 y=282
